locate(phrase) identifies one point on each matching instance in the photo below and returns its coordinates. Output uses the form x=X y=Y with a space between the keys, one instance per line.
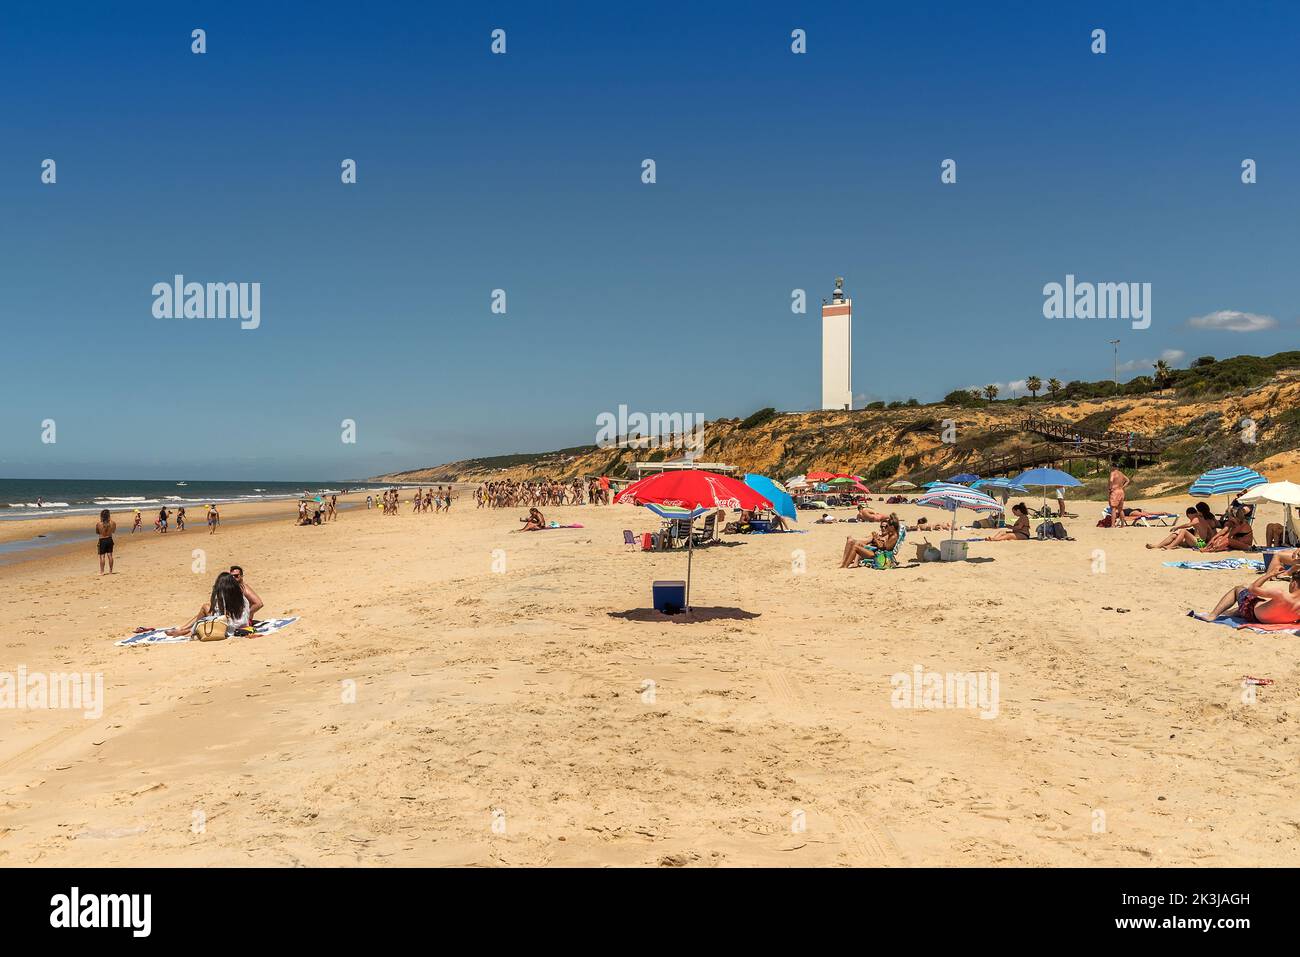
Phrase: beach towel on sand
x=1232 y=621
x=1220 y=564
x=159 y=637
x=548 y=528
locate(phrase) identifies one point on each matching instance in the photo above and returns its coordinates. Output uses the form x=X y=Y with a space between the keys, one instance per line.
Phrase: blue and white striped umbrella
x=935 y=485
x=956 y=496
x=1231 y=478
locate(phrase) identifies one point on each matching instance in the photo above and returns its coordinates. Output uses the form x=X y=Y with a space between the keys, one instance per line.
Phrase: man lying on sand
x=922 y=525
x=865 y=514
x=1196 y=533
x=1018 y=532
x=1258 y=606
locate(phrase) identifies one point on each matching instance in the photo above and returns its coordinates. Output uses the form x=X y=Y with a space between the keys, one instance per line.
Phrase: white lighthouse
x=837 y=350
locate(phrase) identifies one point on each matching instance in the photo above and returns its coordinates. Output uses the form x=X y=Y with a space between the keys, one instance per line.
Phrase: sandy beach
x=457 y=694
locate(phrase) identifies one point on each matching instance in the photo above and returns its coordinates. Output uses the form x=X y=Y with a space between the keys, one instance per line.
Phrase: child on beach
x=138 y=522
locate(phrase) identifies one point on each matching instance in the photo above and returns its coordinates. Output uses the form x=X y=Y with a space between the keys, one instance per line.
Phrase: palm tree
x=991 y=392
x=1033 y=384
x=1162 y=373
x=1053 y=386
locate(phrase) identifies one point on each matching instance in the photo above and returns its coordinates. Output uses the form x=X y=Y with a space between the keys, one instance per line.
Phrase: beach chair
x=891 y=555
x=630 y=539
x=707 y=533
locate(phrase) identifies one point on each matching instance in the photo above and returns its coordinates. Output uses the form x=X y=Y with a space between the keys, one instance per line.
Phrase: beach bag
x=212 y=629
x=1105 y=522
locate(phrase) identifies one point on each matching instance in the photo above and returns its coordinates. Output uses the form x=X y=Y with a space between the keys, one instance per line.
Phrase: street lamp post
x=1115 y=345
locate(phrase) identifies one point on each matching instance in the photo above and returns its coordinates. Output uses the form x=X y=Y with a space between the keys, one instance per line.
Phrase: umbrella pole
x=690 y=553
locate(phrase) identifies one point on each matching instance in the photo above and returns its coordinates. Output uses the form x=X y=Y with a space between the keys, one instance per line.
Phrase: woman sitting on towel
x=1236 y=535
x=1195 y=534
x=1019 y=532
x=857 y=550
x=227 y=602
x=1263 y=607
x=535 y=520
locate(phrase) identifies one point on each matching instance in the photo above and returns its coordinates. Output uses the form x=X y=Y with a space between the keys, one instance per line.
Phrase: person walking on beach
x=162 y=520
x=1060 y=502
x=214 y=518
x=138 y=522
x=1117 y=483
x=105 y=528
x=180 y=519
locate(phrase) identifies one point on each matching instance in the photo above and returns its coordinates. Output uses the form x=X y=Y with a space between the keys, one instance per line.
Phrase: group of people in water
x=543 y=493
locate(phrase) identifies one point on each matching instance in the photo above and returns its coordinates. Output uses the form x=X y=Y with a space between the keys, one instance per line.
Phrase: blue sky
x=775 y=171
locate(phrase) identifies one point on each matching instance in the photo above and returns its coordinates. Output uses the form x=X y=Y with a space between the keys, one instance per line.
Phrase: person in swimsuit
x=858 y=550
x=105 y=528
x=138 y=522
x=1236 y=535
x=534 y=521
x=180 y=519
x=214 y=519
x=1117 y=483
x=1261 y=607
x=1018 y=532
x=1195 y=534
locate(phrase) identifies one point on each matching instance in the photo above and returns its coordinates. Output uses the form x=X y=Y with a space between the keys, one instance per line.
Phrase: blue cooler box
x=669 y=597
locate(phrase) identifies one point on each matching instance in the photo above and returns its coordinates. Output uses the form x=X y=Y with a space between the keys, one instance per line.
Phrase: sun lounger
x=1164 y=518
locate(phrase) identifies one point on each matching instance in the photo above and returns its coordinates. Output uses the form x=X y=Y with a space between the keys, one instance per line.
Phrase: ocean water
x=19 y=497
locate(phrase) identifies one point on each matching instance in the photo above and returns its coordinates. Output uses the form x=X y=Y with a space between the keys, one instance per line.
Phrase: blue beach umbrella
x=1232 y=478
x=782 y=503
x=1046 y=478
x=1005 y=483
x=963 y=478
x=956 y=496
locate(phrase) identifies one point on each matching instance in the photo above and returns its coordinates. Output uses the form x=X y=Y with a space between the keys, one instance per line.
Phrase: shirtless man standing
x=1118 y=482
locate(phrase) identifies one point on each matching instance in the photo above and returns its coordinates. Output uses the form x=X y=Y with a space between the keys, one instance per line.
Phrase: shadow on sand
x=696 y=614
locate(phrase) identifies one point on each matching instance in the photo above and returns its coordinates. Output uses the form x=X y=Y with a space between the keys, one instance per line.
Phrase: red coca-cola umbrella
x=694 y=492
